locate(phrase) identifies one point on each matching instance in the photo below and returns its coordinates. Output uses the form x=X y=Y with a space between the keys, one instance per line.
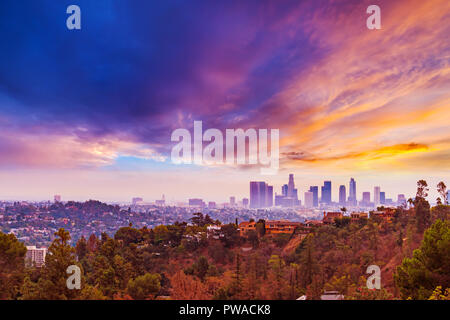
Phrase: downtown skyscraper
x=352 y=192
x=326 y=193
x=342 y=195
x=315 y=192
x=376 y=196
x=261 y=194
x=291 y=186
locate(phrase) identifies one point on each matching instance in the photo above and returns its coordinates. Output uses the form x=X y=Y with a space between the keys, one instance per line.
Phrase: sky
x=89 y=113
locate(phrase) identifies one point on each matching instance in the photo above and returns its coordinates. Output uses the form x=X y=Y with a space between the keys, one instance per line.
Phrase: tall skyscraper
x=376 y=196
x=366 y=199
x=382 y=197
x=254 y=194
x=309 y=199
x=245 y=202
x=352 y=192
x=291 y=186
x=269 y=197
x=232 y=201
x=315 y=192
x=262 y=191
x=326 y=192
x=261 y=194
x=342 y=195
x=284 y=190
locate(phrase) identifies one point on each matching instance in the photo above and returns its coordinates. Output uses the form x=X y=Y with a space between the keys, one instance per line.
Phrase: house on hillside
x=246 y=226
x=356 y=216
x=329 y=217
x=280 y=226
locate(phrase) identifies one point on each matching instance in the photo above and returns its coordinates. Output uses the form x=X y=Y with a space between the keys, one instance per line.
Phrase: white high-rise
x=376 y=195
x=35 y=256
x=309 y=199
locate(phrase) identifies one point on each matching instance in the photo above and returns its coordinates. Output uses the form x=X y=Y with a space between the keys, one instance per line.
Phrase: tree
x=144 y=287
x=439 y=295
x=440 y=212
x=422 y=189
x=429 y=266
x=442 y=189
x=230 y=235
x=186 y=287
x=128 y=235
x=308 y=262
x=260 y=228
x=200 y=268
x=423 y=214
x=252 y=237
x=12 y=254
x=161 y=233
x=92 y=243
x=81 y=248
x=421 y=206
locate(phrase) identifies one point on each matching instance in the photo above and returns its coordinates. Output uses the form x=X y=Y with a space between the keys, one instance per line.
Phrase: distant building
x=261 y=194
x=196 y=203
x=57 y=198
x=284 y=190
x=352 y=192
x=214 y=232
x=401 y=200
x=245 y=203
x=280 y=226
x=279 y=200
x=254 y=194
x=246 y=226
x=162 y=202
x=382 y=197
x=291 y=186
x=356 y=216
x=269 y=196
x=326 y=192
x=211 y=205
x=315 y=192
x=329 y=217
x=386 y=214
x=342 y=195
x=309 y=199
x=232 y=201
x=289 y=194
x=376 y=196
x=35 y=256
x=136 y=201
x=365 y=199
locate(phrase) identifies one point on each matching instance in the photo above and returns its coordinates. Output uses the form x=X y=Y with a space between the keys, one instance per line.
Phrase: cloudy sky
x=89 y=113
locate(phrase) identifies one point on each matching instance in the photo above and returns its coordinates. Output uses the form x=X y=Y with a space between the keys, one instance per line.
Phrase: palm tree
x=410 y=202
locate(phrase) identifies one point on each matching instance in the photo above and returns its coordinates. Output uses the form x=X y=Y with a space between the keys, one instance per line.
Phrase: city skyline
x=276 y=189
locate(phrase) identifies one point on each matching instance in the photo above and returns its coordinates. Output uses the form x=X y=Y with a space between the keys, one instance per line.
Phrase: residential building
x=35 y=256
